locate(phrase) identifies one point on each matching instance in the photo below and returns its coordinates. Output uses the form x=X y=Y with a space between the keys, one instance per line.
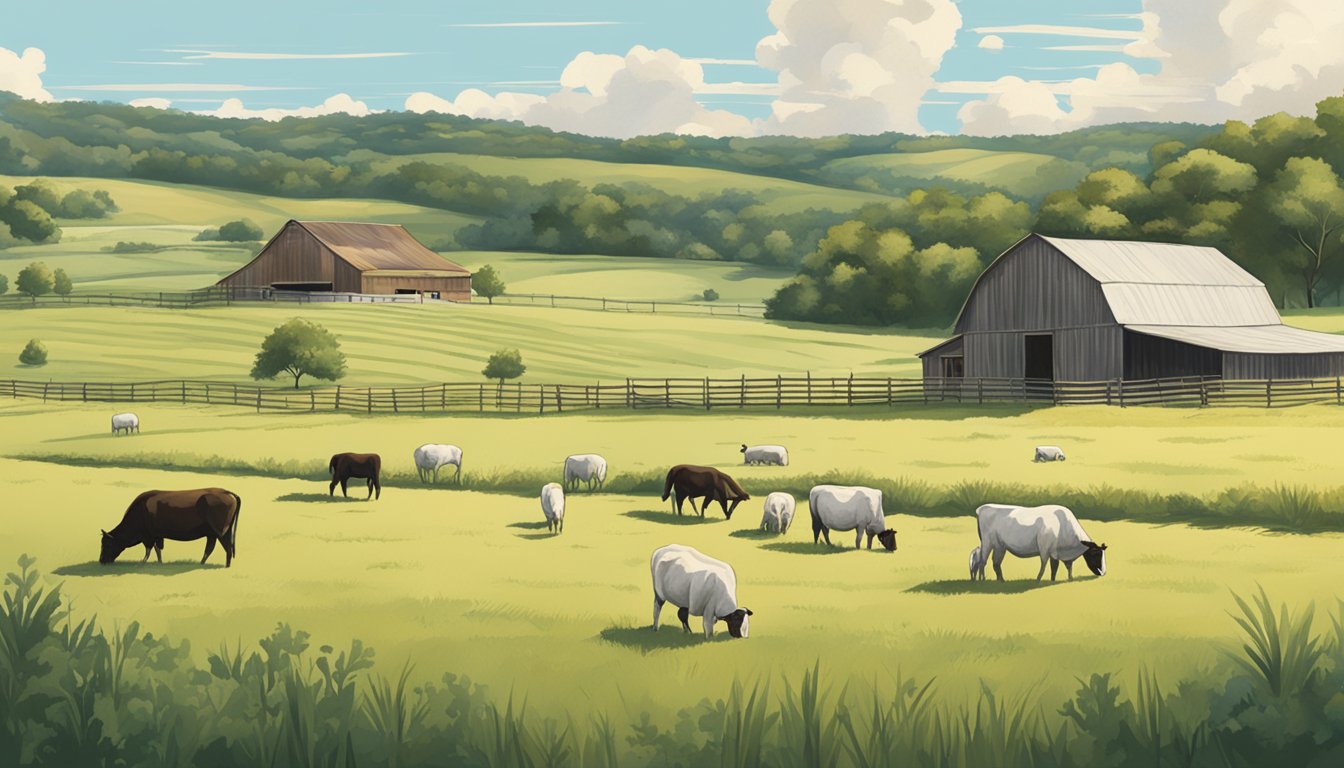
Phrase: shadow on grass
x=321 y=498
x=804 y=548
x=151 y=568
x=531 y=526
x=670 y=518
x=965 y=586
x=755 y=534
x=541 y=536
x=646 y=641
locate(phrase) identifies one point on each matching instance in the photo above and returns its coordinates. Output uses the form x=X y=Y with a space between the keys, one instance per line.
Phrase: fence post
x=1337 y=392
x=667 y=393
x=443 y=396
x=1203 y=392
x=395 y=409
x=809 y=387
x=849 y=390
x=604 y=303
x=258 y=399
x=559 y=403
x=742 y=395
x=629 y=394
x=338 y=397
x=980 y=391
x=368 y=399
x=1121 y=386
x=184 y=391
x=482 y=403
x=706 y=393
x=1269 y=393
x=44 y=391
x=779 y=391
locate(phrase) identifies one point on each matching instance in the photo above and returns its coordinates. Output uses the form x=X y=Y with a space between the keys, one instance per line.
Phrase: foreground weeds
x=73 y=693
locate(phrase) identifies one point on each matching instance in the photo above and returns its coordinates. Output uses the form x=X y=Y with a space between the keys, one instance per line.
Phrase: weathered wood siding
x=1034 y=287
x=1153 y=357
x=294 y=256
x=1089 y=354
x=449 y=288
x=1246 y=366
x=933 y=361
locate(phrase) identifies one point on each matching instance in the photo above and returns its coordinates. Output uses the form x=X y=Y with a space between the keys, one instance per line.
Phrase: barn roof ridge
x=351 y=242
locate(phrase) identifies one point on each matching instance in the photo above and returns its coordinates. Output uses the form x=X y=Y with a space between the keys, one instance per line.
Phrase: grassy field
x=1019 y=173
x=420 y=343
x=467 y=581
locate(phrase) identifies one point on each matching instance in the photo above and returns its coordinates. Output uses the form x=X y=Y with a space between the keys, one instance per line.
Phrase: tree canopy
x=504 y=364
x=300 y=348
x=487 y=282
x=34 y=280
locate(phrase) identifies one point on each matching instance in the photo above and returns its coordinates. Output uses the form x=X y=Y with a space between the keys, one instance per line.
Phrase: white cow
x=430 y=456
x=778 y=512
x=698 y=585
x=125 y=422
x=849 y=508
x=553 y=506
x=588 y=468
x=1049 y=532
x=777 y=455
x=1049 y=453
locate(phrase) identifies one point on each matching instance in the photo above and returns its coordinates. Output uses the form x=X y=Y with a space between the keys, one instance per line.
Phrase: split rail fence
x=692 y=394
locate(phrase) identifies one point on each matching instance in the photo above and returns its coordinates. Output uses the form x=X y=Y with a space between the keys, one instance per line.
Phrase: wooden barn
x=349 y=257
x=1053 y=309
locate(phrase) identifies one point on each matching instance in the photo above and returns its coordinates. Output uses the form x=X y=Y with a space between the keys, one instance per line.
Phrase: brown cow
x=209 y=513
x=694 y=482
x=365 y=466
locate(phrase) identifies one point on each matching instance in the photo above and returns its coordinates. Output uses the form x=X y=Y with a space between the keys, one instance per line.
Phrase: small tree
x=4 y=285
x=710 y=295
x=34 y=280
x=35 y=353
x=240 y=231
x=504 y=364
x=489 y=284
x=300 y=348
x=60 y=283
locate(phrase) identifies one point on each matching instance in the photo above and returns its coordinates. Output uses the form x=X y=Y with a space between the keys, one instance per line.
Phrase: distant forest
x=1268 y=194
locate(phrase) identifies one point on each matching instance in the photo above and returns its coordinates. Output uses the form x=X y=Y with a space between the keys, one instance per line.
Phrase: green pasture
x=388 y=344
x=466 y=581
x=1019 y=173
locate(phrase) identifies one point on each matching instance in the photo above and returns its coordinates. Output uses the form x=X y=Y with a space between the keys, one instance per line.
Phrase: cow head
x=743 y=449
x=111 y=548
x=737 y=622
x=1095 y=557
x=888 y=539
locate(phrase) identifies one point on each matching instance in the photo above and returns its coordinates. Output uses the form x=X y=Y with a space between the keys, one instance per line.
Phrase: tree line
x=27 y=211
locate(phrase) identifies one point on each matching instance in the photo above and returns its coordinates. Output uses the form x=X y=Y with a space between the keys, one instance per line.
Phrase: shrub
x=238 y=231
x=61 y=284
x=34 y=353
x=710 y=295
x=4 y=285
x=123 y=246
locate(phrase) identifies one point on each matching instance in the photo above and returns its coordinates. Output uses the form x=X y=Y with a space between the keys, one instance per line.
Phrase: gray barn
x=1100 y=310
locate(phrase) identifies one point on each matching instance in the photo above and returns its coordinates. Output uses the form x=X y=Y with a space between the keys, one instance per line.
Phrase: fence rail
x=716 y=309
x=692 y=394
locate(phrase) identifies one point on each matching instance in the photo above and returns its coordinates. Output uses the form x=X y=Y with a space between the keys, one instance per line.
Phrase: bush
x=4 y=285
x=82 y=204
x=34 y=353
x=123 y=246
x=239 y=231
x=710 y=295
x=61 y=284
x=35 y=280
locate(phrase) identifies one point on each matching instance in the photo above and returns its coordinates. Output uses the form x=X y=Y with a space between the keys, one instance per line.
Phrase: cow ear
x=748 y=610
x=1103 y=546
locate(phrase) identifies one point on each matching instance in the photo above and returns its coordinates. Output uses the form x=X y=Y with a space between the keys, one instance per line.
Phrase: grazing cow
x=698 y=585
x=850 y=508
x=553 y=506
x=1049 y=453
x=430 y=456
x=777 y=455
x=588 y=468
x=208 y=513
x=125 y=422
x=694 y=482
x=1050 y=532
x=778 y=512
x=365 y=466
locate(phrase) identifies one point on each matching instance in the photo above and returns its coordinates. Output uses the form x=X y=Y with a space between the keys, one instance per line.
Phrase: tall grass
x=1278 y=507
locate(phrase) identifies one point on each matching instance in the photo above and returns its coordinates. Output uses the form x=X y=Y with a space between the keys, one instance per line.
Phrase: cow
x=1048 y=453
x=778 y=512
x=209 y=513
x=777 y=455
x=694 y=482
x=698 y=585
x=1050 y=532
x=849 y=508
x=588 y=468
x=553 y=507
x=365 y=466
x=125 y=422
x=431 y=456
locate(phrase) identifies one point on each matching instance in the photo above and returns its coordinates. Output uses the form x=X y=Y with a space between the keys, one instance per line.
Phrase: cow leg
x=1068 y=566
x=657 y=609
x=209 y=547
x=733 y=507
x=684 y=614
x=1044 y=559
x=158 y=549
x=998 y=562
x=676 y=502
x=331 y=489
x=149 y=547
x=1054 y=568
x=826 y=534
x=343 y=491
x=858 y=539
x=457 y=477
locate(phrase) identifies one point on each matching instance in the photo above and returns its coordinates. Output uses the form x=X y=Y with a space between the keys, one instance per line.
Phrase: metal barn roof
x=1274 y=339
x=369 y=247
x=1170 y=284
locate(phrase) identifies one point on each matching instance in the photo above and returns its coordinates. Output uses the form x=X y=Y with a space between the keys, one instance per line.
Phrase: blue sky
x=196 y=56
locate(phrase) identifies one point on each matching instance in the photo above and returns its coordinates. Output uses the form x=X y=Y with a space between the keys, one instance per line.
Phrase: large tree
x=60 y=283
x=300 y=348
x=1307 y=200
x=487 y=282
x=504 y=364
x=34 y=280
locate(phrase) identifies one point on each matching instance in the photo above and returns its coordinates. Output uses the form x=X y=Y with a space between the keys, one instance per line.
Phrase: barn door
x=1039 y=365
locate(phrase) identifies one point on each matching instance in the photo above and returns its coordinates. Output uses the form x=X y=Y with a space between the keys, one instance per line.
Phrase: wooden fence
x=716 y=309
x=692 y=393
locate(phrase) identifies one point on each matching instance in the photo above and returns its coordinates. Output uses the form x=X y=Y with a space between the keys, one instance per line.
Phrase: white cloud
x=204 y=54
x=341 y=103
x=151 y=102
x=991 y=43
x=643 y=92
x=21 y=74
x=1061 y=31
x=854 y=66
x=1219 y=60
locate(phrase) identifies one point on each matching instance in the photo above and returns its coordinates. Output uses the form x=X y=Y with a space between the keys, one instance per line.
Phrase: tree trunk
x=297 y=376
x=490 y=300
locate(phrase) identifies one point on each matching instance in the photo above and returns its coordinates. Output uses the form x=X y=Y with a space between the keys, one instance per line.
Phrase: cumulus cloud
x=22 y=73
x=645 y=91
x=151 y=101
x=341 y=103
x=1218 y=60
x=991 y=43
x=855 y=66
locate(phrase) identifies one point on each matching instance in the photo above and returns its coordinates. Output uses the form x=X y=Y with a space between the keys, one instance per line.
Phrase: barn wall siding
x=1089 y=354
x=995 y=355
x=1248 y=366
x=292 y=256
x=450 y=288
x=1034 y=288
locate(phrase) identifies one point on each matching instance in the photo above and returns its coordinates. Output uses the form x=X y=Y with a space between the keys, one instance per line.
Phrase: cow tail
x=667 y=486
x=233 y=529
x=331 y=465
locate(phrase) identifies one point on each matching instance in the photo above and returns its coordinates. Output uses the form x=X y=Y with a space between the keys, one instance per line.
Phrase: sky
x=715 y=67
